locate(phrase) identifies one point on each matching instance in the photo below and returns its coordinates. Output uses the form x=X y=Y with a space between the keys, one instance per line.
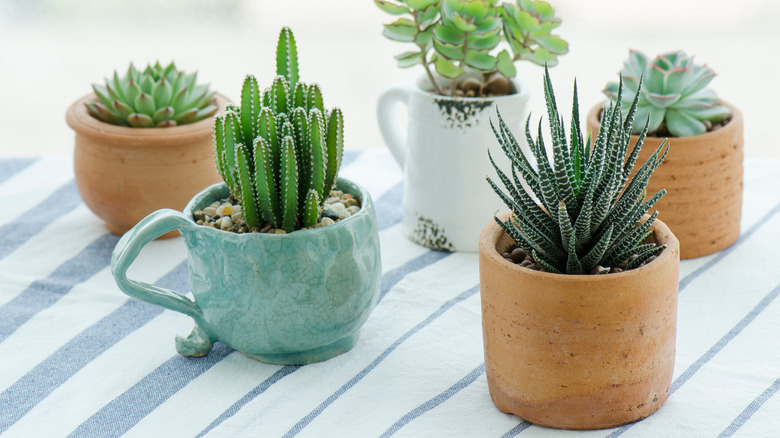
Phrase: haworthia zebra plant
x=280 y=151
x=588 y=215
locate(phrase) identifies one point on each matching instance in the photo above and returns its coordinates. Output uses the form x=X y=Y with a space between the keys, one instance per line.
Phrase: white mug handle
x=390 y=125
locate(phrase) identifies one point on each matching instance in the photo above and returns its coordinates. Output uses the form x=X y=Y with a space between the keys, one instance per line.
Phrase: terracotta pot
x=123 y=174
x=702 y=176
x=578 y=351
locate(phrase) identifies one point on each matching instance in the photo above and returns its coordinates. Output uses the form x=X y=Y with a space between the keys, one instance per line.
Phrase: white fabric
x=80 y=358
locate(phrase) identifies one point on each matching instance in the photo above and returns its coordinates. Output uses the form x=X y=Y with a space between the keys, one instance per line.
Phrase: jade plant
x=279 y=152
x=462 y=36
x=674 y=95
x=155 y=97
x=583 y=211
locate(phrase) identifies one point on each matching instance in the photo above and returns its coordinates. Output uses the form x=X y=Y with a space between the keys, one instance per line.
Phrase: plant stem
x=430 y=75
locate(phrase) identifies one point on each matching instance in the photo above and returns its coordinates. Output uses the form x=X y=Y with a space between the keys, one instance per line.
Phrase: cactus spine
x=279 y=152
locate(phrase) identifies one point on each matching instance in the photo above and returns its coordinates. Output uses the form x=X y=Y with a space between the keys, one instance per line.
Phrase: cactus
x=674 y=96
x=154 y=97
x=279 y=152
x=583 y=213
x=463 y=35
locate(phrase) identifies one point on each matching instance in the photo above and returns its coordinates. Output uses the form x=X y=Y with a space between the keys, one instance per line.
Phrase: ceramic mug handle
x=128 y=248
x=390 y=124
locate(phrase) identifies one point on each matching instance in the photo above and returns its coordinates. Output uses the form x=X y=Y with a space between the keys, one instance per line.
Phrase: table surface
x=80 y=358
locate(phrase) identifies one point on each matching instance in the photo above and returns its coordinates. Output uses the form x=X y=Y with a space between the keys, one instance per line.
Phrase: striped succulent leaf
x=277 y=151
x=583 y=211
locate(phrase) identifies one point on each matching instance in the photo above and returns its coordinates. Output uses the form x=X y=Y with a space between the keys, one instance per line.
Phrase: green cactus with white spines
x=153 y=97
x=279 y=152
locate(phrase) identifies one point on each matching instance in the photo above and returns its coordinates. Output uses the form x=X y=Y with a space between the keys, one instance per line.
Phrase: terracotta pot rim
x=736 y=116
x=83 y=123
x=366 y=207
x=518 y=82
x=492 y=232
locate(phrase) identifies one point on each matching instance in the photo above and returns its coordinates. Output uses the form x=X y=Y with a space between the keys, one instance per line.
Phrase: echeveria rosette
x=155 y=97
x=674 y=93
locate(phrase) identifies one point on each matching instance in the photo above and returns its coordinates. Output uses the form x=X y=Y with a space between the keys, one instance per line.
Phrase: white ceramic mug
x=443 y=150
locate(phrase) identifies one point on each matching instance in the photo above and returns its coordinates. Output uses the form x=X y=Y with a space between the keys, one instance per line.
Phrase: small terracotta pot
x=702 y=176
x=123 y=174
x=578 y=351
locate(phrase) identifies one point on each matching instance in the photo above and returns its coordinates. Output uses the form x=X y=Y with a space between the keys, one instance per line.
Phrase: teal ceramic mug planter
x=279 y=298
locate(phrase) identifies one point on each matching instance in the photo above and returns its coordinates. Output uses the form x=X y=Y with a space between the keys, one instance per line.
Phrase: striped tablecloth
x=79 y=358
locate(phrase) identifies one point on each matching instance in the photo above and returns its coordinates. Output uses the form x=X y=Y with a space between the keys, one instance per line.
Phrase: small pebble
x=265 y=229
x=616 y=270
x=337 y=207
x=535 y=267
x=347 y=196
x=237 y=217
x=210 y=211
x=225 y=210
x=343 y=214
x=353 y=209
x=526 y=263
x=330 y=214
x=505 y=255
x=199 y=215
x=518 y=255
x=279 y=231
x=225 y=223
x=215 y=204
x=351 y=202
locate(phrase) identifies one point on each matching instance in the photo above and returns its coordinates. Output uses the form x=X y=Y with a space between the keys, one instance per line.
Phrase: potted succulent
x=273 y=274
x=578 y=288
x=467 y=74
x=143 y=142
x=703 y=173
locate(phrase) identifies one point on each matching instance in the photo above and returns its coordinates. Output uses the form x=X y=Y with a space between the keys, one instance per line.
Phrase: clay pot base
x=546 y=415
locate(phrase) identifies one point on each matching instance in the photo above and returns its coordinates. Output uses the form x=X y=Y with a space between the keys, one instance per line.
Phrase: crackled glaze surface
x=293 y=298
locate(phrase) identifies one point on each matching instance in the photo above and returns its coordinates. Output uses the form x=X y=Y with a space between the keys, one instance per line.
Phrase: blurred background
x=51 y=51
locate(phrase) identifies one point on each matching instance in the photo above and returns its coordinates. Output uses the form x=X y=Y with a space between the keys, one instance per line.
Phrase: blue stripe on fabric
x=42 y=294
x=436 y=401
x=349 y=157
x=751 y=409
x=11 y=166
x=706 y=357
x=29 y=223
x=305 y=421
x=388 y=209
x=259 y=389
x=391 y=278
x=517 y=429
x=41 y=381
x=133 y=405
x=721 y=255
